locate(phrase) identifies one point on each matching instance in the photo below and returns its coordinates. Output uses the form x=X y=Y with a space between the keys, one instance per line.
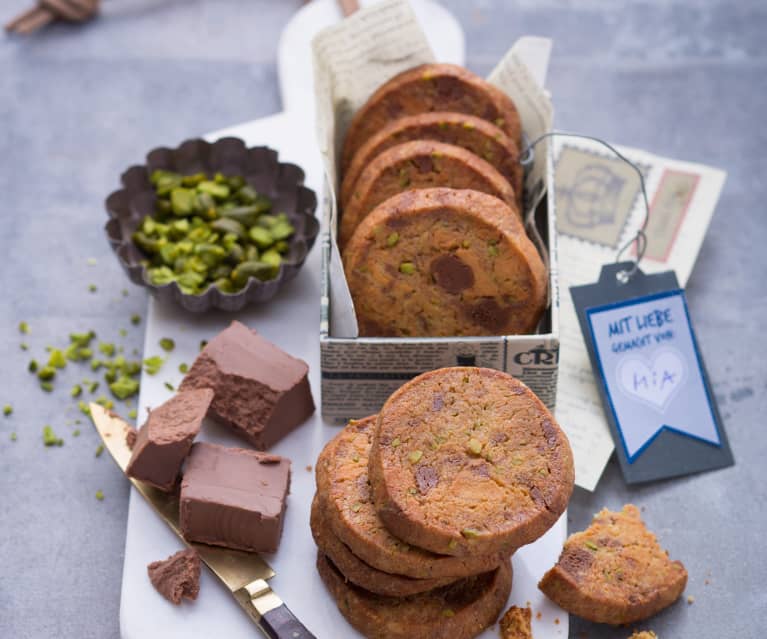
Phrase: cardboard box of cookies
x=441 y=261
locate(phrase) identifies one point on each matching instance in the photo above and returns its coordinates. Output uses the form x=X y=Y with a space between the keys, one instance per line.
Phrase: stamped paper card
x=654 y=385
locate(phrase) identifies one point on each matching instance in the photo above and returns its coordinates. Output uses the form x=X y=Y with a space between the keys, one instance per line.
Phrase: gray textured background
x=77 y=105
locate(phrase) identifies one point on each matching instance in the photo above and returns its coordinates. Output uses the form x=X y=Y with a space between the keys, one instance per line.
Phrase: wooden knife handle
x=280 y=623
x=269 y=612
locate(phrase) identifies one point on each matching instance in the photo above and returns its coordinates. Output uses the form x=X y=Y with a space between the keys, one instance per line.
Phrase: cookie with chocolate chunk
x=444 y=262
x=345 y=501
x=614 y=571
x=421 y=164
x=425 y=88
x=460 y=610
x=469 y=132
x=468 y=461
x=360 y=573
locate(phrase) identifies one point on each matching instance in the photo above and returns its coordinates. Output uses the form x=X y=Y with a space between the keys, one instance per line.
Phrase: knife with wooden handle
x=246 y=574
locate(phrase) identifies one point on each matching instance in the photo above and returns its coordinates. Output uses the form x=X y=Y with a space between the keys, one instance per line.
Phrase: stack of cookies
x=431 y=230
x=419 y=508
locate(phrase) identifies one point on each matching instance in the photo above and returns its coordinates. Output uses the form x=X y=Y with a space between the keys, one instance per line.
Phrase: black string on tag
x=640 y=237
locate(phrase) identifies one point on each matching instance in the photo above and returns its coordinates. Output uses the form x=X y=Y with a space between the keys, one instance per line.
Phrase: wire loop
x=640 y=237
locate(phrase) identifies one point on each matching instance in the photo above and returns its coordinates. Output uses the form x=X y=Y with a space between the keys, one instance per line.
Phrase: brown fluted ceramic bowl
x=281 y=182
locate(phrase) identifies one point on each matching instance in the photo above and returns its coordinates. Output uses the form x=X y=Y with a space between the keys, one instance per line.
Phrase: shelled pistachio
x=211 y=231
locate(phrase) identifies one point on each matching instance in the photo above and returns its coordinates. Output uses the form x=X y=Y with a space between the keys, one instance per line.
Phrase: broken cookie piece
x=614 y=571
x=515 y=623
x=163 y=442
x=177 y=576
x=260 y=391
x=234 y=497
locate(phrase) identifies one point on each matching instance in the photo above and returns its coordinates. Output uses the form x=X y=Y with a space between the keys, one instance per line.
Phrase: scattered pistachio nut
x=124 y=387
x=50 y=438
x=23 y=328
x=152 y=365
x=57 y=359
x=107 y=348
x=7 y=410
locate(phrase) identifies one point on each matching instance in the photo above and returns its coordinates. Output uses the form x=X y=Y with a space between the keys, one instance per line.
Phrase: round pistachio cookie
x=344 y=498
x=468 y=461
x=357 y=571
x=430 y=87
x=461 y=610
x=420 y=164
x=474 y=134
x=615 y=571
x=444 y=262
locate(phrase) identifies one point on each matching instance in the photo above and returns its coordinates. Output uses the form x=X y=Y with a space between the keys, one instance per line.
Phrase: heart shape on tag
x=656 y=382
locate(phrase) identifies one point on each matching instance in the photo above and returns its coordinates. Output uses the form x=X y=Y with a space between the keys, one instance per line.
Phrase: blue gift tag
x=651 y=375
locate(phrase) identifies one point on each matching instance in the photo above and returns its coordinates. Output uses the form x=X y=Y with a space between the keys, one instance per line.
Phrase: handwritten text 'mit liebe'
x=634 y=332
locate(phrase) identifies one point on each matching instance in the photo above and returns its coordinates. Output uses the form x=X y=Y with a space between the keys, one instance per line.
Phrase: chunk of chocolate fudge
x=163 y=442
x=234 y=497
x=177 y=576
x=260 y=391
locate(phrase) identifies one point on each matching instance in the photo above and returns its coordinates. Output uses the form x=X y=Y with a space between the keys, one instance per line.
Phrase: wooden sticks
x=47 y=11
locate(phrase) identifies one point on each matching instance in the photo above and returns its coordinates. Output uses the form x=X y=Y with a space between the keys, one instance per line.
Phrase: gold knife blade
x=244 y=573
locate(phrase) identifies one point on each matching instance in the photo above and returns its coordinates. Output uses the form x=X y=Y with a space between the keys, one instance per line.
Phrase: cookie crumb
x=690 y=599
x=538 y=615
x=515 y=624
x=309 y=468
